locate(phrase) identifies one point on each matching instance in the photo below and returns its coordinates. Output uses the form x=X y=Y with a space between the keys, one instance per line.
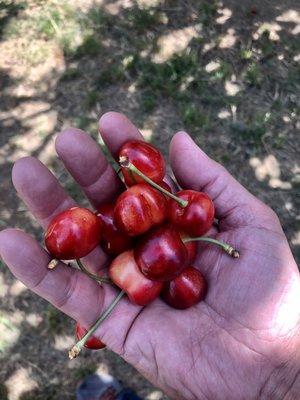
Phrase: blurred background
x=225 y=71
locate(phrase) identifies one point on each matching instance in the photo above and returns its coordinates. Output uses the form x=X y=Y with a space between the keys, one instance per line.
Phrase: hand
x=242 y=342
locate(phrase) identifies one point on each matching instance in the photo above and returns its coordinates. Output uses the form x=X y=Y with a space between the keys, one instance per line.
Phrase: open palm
x=237 y=344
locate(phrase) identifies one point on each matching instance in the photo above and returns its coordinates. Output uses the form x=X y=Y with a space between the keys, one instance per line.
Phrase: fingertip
x=23 y=169
x=66 y=137
x=8 y=239
x=81 y=155
x=186 y=158
x=108 y=116
x=183 y=142
x=116 y=129
x=110 y=122
x=86 y=162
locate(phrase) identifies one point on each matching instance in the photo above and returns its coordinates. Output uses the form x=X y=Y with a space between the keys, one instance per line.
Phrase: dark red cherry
x=124 y=272
x=139 y=208
x=92 y=343
x=146 y=158
x=197 y=217
x=160 y=254
x=186 y=290
x=191 y=248
x=73 y=233
x=113 y=240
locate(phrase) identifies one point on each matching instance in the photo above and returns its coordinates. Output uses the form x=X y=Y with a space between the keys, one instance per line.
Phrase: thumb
x=193 y=169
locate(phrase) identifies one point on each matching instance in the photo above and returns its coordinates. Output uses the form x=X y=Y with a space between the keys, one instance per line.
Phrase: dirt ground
x=225 y=71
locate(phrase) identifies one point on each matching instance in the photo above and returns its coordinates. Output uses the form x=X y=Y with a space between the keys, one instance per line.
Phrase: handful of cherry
x=151 y=233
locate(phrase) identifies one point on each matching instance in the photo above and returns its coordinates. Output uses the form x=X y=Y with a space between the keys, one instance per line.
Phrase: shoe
x=103 y=387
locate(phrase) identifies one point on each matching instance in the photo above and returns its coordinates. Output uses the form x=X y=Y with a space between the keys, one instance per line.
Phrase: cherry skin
x=124 y=272
x=73 y=233
x=113 y=240
x=92 y=343
x=146 y=158
x=139 y=208
x=197 y=217
x=191 y=248
x=186 y=290
x=160 y=254
x=164 y=185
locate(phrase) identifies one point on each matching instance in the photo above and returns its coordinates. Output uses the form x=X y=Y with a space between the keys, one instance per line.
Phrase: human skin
x=242 y=342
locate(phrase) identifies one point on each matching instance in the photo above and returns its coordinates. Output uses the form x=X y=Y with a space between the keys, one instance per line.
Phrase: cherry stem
x=93 y=276
x=76 y=349
x=53 y=263
x=225 y=246
x=124 y=162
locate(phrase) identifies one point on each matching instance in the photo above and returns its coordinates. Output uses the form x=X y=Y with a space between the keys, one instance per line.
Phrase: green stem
x=225 y=246
x=76 y=349
x=125 y=163
x=93 y=276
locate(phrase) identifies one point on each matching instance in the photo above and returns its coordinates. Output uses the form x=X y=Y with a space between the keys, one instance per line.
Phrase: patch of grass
x=3 y=392
x=254 y=75
x=207 y=12
x=166 y=78
x=246 y=54
x=53 y=392
x=142 y=19
x=148 y=101
x=279 y=141
x=91 y=100
x=74 y=191
x=97 y=19
x=9 y=10
x=84 y=370
x=42 y=133
x=87 y=124
x=277 y=105
x=293 y=78
x=225 y=158
x=71 y=74
x=251 y=133
x=266 y=45
x=193 y=118
x=90 y=47
x=49 y=22
x=113 y=74
x=216 y=100
x=55 y=320
x=222 y=72
x=2 y=265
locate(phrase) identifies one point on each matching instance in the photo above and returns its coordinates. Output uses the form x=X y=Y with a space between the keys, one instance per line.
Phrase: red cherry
x=92 y=343
x=161 y=254
x=125 y=273
x=164 y=185
x=139 y=208
x=146 y=158
x=73 y=233
x=197 y=217
x=191 y=248
x=113 y=240
x=185 y=290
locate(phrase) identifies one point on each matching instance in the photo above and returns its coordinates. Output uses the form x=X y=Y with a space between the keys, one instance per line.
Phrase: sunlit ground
x=227 y=72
